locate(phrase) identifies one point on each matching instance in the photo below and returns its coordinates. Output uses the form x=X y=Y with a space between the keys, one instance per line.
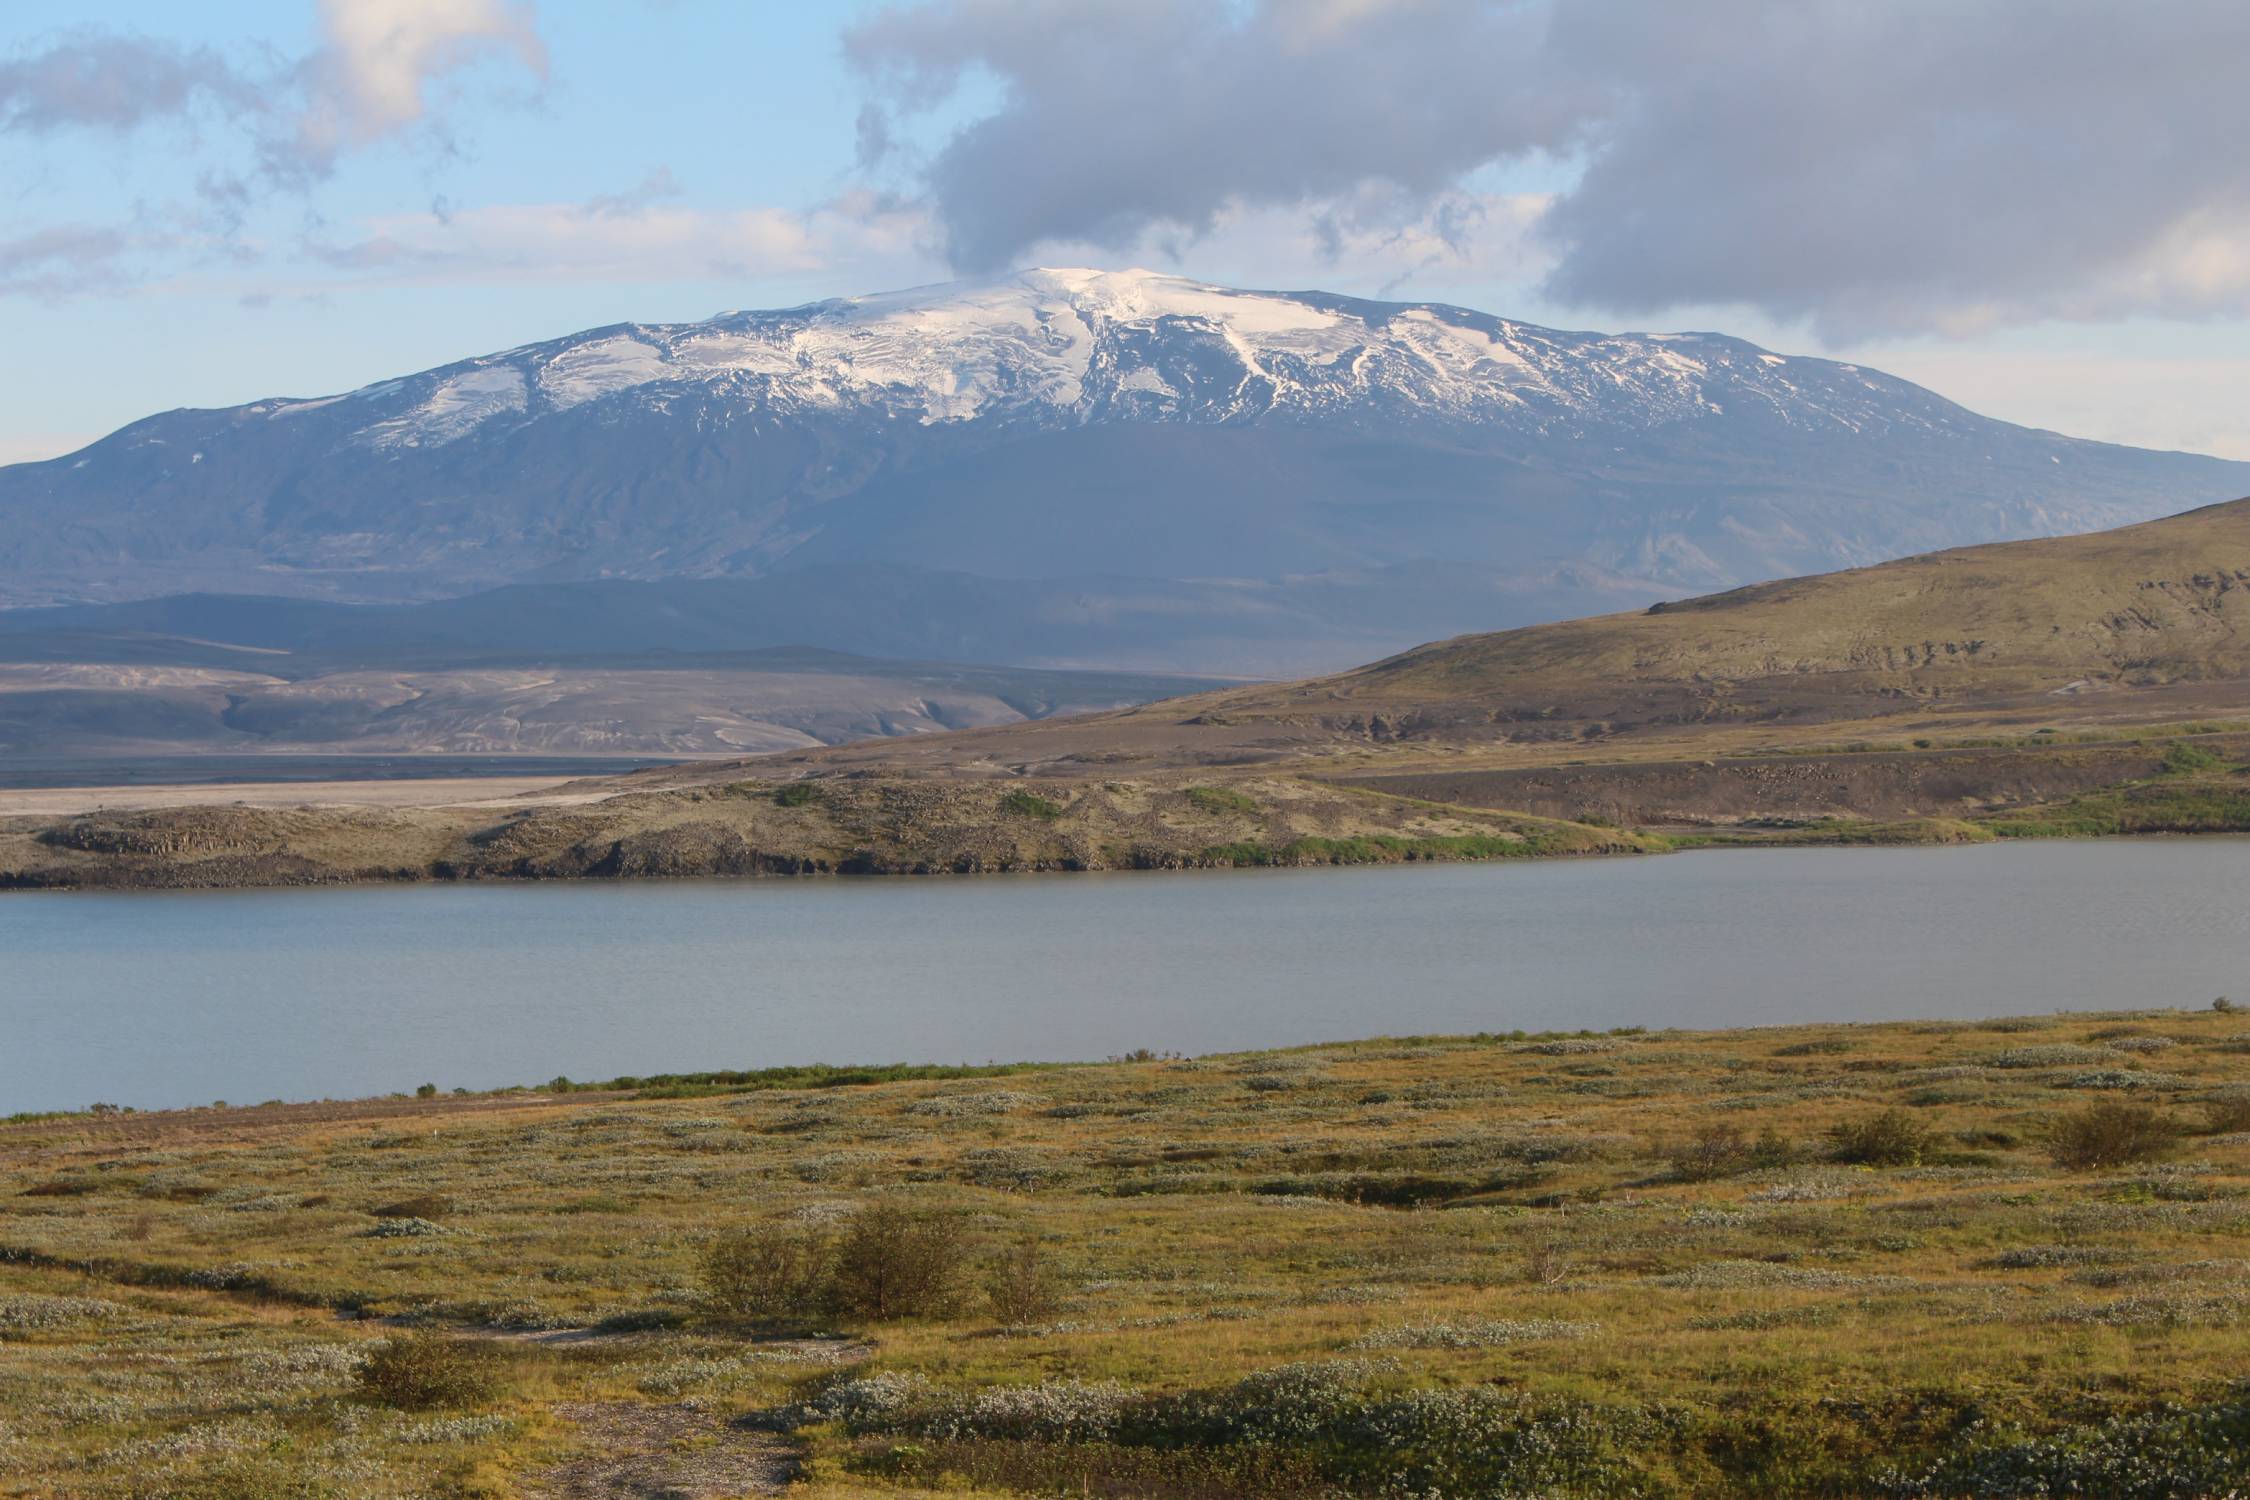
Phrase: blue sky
x=210 y=204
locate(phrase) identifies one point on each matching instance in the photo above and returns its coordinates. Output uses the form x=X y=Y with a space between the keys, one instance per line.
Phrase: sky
x=2040 y=211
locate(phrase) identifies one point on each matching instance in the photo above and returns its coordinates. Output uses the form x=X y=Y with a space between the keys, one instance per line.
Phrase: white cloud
x=1370 y=244
x=1866 y=169
x=379 y=61
x=379 y=72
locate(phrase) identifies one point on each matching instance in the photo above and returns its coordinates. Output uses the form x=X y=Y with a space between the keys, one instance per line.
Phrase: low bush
x=1893 y=1138
x=2111 y=1134
x=1718 y=1151
x=2173 y=1450
x=896 y=1262
x=768 y=1271
x=1022 y=1285
x=61 y=1187
x=2227 y=1116
x=1713 y=1152
x=795 y=794
x=422 y=1206
x=429 y=1371
x=1474 y=1441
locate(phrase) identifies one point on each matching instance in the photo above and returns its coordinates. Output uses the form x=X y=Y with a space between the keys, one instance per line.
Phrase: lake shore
x=722 y=820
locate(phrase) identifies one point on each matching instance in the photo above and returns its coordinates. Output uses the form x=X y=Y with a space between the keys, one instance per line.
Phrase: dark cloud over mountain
x=1924 y=164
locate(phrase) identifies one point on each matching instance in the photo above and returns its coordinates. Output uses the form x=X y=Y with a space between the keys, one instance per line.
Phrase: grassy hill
x=2157 y=605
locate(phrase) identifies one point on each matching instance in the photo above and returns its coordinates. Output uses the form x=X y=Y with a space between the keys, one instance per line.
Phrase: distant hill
x=1071 y=468
x=135 y=697
x=2143 y=622
x=2165 y=604
x=1280 y=629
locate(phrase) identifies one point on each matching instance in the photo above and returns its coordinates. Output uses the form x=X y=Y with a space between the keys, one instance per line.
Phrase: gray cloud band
x=1911 y=165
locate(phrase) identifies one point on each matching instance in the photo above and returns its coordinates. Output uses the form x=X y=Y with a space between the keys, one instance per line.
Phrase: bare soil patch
x=675 y=1452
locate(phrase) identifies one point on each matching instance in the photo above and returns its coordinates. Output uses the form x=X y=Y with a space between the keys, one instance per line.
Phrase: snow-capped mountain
x=1062 y=348
x=1064 y=423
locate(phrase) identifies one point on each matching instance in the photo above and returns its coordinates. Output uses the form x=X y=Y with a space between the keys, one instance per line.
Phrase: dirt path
x=665 y=1453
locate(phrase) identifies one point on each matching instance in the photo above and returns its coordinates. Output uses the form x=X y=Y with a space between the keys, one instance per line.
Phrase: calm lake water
x=176 y=998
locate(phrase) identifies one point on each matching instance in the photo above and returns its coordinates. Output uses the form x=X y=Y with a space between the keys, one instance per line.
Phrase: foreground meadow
x=1925 y=1258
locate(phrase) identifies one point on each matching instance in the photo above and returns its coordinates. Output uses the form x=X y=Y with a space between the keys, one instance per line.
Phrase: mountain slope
x=1061 y=424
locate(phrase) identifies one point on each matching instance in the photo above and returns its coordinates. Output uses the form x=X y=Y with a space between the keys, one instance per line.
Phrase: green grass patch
x=759 y=1080
x=1219 y=799
x=1384 y=849
x=1840 y=832
x=2184 y=759
x=1022 y=804
x=2195 y=808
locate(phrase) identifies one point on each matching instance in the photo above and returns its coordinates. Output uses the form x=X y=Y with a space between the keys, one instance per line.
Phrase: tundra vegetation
x=1939 y=1258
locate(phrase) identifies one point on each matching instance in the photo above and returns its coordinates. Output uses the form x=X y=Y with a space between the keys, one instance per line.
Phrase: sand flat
x=462 y=791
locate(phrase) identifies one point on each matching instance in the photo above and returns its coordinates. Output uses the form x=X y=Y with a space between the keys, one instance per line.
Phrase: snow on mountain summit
x=1075 y=345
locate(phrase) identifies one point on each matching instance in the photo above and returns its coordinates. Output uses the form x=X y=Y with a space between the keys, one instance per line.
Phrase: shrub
x=2053 y=1055
x=2112 y=1133
x=33 y=1310
x=61 y=1187
x=1475 y=1441
x=1546 y=1263
x=768 y=1271
x=895 y=1262
x=1893 y=1138
x=1825 y=1046
x=1021 y=1284
x=1492 y=1333
x=1722 y=1151
x=795 y=794
x=1715 y=1151
x=2227 y=1116
x=424 y=1206
x=2171 y=1450
x=1023 y=804
x=424 y=1371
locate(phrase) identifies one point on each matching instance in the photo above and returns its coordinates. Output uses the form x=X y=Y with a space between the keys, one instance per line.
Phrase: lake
x=164 y=999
